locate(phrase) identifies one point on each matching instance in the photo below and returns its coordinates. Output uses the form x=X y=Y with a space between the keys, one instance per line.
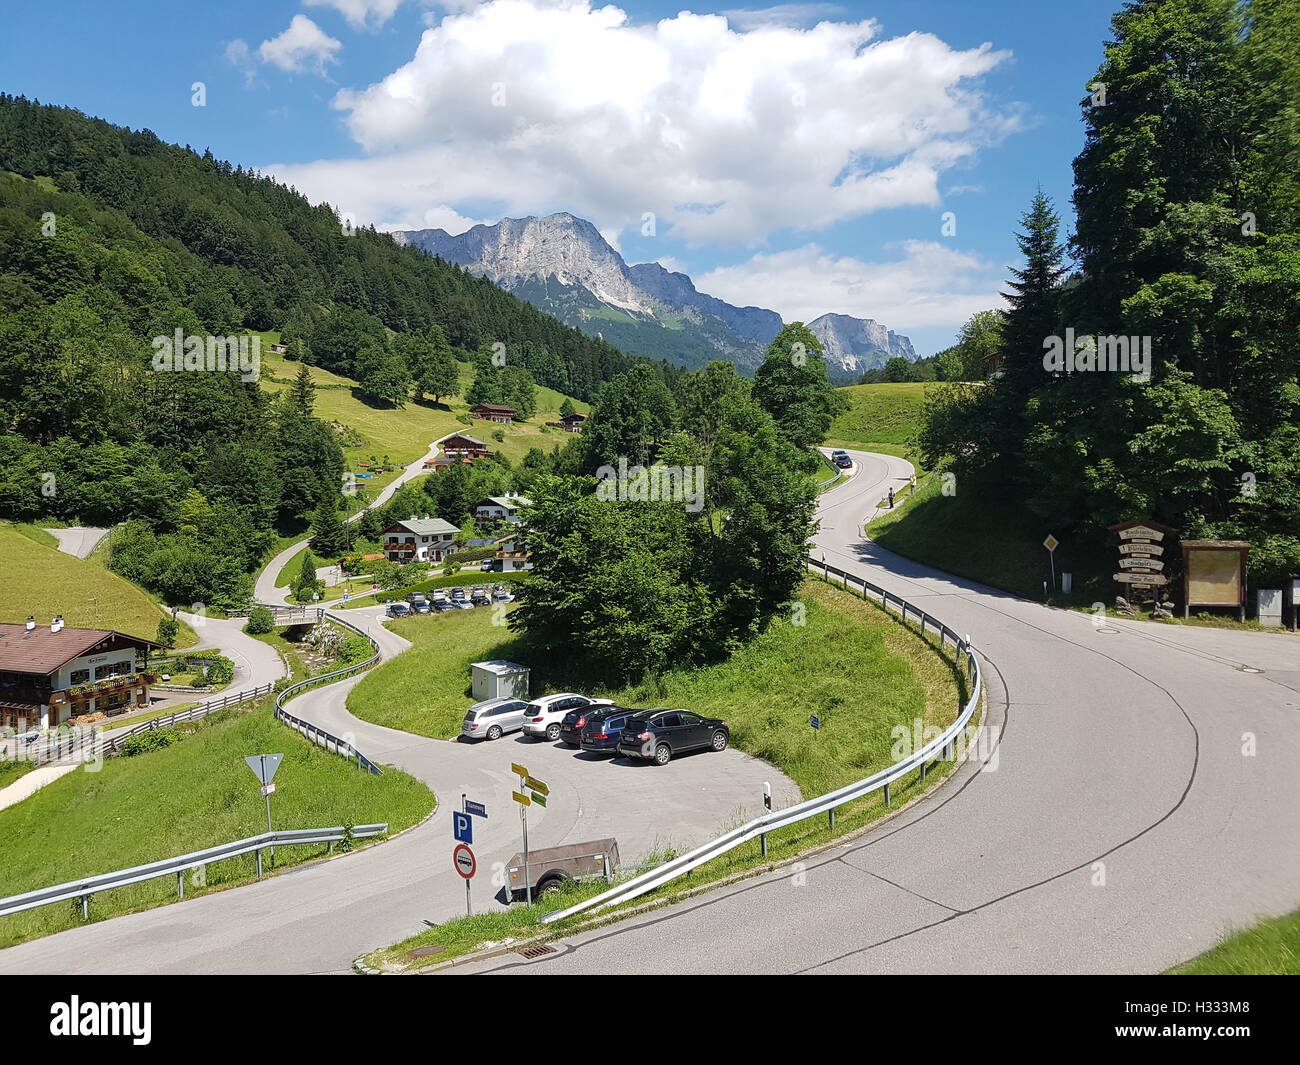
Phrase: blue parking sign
x=462 y=827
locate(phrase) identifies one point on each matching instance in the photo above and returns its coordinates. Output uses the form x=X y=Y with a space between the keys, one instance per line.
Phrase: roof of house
x=509 y=502
x=462 y=436
x=425 y=526
x=41 y=651
x=499 y=407
x=575 y=414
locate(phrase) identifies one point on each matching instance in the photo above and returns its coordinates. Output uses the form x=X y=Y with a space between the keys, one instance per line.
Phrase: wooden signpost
x=1141 y=561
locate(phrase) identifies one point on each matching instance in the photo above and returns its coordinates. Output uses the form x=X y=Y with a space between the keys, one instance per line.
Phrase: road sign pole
x=268 y=811
x=469 y=909
x=528 y=880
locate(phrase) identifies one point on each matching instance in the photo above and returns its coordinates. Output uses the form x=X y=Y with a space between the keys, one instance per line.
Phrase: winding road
x=1141 y=801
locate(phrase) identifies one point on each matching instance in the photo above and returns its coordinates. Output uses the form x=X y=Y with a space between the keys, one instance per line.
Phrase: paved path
x=79 y=540
x=320 y=918
x=1122 y=830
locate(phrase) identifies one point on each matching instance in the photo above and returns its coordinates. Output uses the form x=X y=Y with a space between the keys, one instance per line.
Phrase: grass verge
x=1271 y=948
x=194 y=794
x=766 y=692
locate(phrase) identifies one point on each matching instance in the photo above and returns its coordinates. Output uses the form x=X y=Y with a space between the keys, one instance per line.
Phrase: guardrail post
x=886 y=796
x=180 y=884
x=259 y=865
x=832 y=814
x=85 y=907
x=922 y=772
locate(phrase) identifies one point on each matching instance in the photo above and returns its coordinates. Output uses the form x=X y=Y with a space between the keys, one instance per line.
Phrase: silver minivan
x=493 y=718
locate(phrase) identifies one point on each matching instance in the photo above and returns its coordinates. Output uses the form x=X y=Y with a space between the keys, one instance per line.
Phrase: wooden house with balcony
x=50 y=674
x=419 y=540
x=493 y=412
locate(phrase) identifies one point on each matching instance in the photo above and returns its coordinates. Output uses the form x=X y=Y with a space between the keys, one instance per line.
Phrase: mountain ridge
x=561 y=264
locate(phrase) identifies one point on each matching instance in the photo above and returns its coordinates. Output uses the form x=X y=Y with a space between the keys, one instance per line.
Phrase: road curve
x=1122 y=826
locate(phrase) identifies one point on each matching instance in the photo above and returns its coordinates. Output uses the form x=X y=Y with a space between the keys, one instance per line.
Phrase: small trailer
x=552 y=868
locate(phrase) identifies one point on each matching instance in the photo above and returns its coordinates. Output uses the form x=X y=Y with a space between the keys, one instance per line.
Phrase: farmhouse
x=513 y=556
x=493 y=412
x=462 y=445
x=419 y=540
x=49 y=673
x=500 y=508
x=570 y=423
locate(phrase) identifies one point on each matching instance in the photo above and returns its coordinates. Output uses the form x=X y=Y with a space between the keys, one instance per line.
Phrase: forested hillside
x=110 y=238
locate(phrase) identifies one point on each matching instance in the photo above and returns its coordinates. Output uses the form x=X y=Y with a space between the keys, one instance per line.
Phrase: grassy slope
x=194 y=794
x=1271 y=948
x=37 y=535
x=42 y=582
x=766 y=692
x=880 y=418
x=405 y=434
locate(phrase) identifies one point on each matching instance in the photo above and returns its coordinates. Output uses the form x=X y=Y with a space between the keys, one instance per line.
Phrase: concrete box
x=1270 y=606
x=498 y=679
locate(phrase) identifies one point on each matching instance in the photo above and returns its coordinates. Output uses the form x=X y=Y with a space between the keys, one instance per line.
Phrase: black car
x=575 y=721
x=657 y=735
x=601 y=733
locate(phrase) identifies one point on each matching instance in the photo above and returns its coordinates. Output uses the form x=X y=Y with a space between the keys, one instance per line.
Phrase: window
x=691 y=719
x=668 y=721
x=79 y=676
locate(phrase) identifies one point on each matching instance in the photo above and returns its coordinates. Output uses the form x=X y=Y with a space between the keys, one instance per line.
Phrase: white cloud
x=781 y=15
x=358 y=12
x=725 y=136
x=929 y=284
x=302 y=45
x=440 y=217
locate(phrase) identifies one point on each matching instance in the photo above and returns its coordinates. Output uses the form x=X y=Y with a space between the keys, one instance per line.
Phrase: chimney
x=31 y=622
x=56 y=624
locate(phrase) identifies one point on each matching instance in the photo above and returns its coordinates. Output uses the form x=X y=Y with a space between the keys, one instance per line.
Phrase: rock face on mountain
x=563 y=265
x=859 y=344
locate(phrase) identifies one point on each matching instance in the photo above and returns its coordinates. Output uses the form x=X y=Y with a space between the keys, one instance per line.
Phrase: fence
x=84 y=889
x=825 y=804
x=114 y=745
x=313 y=732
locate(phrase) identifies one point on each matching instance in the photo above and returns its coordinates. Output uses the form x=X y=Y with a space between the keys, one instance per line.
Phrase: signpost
x=1052 y=543
x=475 y=808
x=815 y=722
x=462 y=830
x=1141 y=561
x=532 y=792
x=264 y=767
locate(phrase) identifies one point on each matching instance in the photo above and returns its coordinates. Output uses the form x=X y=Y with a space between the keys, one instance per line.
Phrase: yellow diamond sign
x=1051 y=543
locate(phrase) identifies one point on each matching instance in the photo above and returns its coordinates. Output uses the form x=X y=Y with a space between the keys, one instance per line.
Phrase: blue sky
x=787 y=164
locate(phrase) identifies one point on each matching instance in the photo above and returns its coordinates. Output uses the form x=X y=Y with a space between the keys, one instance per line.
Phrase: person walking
x=891 y=498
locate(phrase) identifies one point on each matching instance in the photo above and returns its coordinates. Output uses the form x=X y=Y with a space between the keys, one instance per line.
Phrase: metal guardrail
x=313 y=732
x=831 y=480
x=825 y=804
x=280 y=610
x=114 y=746
x=91 y=885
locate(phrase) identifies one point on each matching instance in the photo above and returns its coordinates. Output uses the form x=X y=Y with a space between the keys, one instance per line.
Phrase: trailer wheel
x=551 y=884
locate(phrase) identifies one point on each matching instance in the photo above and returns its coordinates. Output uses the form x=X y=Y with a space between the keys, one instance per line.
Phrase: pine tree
x=1034 y=302
x=302 y=393
x=307 y=584
x=329 y=536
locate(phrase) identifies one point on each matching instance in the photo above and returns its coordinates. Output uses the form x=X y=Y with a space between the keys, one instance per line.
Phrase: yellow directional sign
x=518 y=769
x=522 y=800
x=537 y=785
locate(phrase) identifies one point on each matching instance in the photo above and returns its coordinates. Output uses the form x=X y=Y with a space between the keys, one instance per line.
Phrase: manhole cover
x=536 y=952
x=1112 y=632
x=424 y=952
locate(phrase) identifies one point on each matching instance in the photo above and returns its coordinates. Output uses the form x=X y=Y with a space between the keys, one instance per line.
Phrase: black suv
x=601 y=733
x=657 y=735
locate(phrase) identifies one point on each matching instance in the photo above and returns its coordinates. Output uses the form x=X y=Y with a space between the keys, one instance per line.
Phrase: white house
x=500 y=508
x=419 y=540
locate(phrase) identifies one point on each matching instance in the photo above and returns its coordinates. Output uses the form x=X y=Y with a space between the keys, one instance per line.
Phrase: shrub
x=499 y=435
x=153 y=740
x=260 y=621
x=168 y=630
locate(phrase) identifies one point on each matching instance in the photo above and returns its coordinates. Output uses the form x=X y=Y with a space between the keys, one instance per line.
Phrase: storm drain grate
x=535 y=952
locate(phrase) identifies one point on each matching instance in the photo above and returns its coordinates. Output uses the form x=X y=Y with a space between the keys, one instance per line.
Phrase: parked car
x=480 y=597
x=604 y=729
x=657 y=735
x=502 y=597
x=420 y=606
x=399 y=610
x=441 y=606
x=841 y=459
x=415 y=597
x=572 y=724
x=545 y=714
x=493 y=718
x=487 y=566
x=458 y=593
x=462 y=604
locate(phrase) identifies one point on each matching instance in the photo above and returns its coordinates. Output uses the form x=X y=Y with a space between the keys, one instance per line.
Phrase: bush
x=355 y=649
x=499 y=435
x=168 y=630
x=260 y=621
x=153 y=740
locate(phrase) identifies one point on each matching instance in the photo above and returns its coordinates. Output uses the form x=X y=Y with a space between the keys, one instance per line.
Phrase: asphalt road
x=1143 y=800
x=319 y=918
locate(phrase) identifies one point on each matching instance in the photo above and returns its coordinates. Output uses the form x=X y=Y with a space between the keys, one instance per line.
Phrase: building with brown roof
x=493 y=412
x=49 y=673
